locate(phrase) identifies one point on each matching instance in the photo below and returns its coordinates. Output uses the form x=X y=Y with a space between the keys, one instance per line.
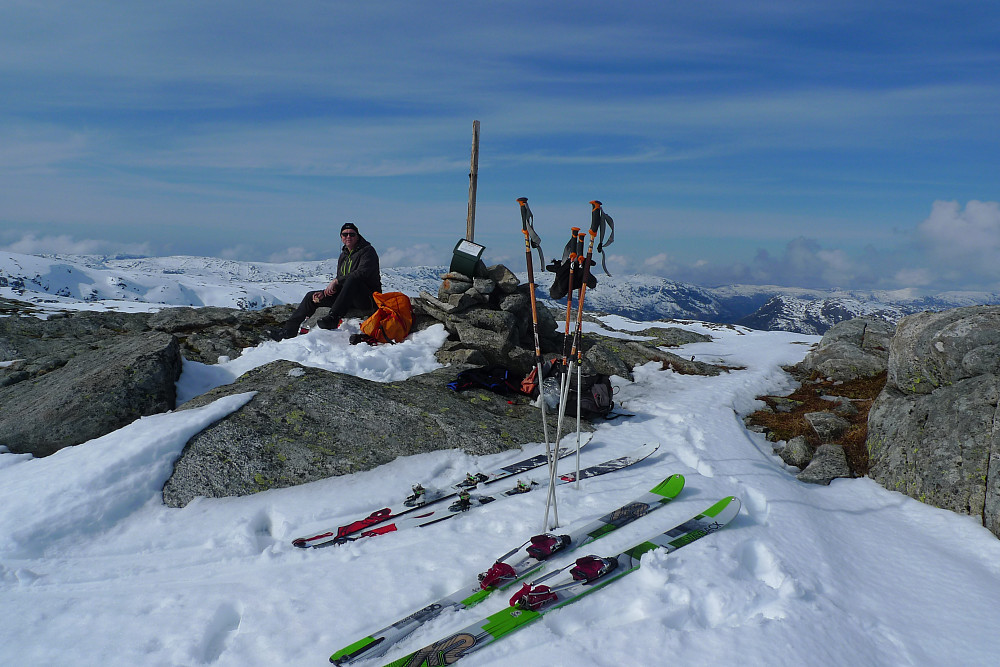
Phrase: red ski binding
x=532 y=598
x=496 y=575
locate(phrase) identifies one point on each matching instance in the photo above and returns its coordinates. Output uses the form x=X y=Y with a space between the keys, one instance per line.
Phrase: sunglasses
x=347 y=234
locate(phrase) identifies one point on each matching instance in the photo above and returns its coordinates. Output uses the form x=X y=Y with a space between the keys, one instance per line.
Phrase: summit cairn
x=488 y=319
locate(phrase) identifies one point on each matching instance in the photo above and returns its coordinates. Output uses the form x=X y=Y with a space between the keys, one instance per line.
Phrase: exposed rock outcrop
x=851 y=357
x=205 y=334
x=933 y=433
x=828 y=463
x=78 y=376
x=306 y=424
x=94 y=392
x=796 y=452
x=850 y=350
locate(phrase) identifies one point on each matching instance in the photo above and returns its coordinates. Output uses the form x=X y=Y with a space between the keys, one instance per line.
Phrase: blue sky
x=820 y=144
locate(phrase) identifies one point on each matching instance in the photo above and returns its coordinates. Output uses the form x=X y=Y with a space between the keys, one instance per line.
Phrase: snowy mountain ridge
x=147 y=283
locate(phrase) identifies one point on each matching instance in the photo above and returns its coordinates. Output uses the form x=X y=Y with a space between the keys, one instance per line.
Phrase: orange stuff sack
x=393 y=319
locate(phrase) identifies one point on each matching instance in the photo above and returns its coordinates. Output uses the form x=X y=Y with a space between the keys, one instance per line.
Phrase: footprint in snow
x=780 y=588
x=219 y=633
x=754 y=501
x=690 y=457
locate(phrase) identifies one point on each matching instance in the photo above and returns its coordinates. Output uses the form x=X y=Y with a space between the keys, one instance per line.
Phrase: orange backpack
x=393 y=319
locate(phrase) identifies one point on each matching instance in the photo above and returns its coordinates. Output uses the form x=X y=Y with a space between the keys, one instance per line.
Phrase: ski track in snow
x=93 y=568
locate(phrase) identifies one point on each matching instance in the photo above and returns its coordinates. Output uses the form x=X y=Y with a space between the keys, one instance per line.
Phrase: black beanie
x=350 y=225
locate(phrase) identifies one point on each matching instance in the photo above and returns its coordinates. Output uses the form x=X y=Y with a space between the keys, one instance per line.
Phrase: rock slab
x=93 y=393
x=933 y=432
x=851 y=349
x=306 y=424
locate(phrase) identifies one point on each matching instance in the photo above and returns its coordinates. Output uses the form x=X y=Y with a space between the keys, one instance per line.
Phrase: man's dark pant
x=351 y=293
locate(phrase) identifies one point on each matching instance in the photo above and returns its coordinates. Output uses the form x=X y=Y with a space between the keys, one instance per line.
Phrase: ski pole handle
x=595 y=217
x=525 y=212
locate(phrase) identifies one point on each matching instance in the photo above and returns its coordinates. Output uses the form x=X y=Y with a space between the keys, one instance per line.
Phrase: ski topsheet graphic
x=520 y=562
x=556 y=589
x=466 y=501
x=418 y=501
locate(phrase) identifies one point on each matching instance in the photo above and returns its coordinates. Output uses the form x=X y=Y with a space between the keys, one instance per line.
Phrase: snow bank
x=330 y=350
x=79 y=492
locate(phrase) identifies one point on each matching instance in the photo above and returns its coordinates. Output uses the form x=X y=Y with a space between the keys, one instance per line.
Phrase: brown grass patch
x=809 y=398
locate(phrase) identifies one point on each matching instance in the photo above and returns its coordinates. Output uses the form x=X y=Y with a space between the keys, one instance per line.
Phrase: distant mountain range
x=768 y=307
x=54 y=282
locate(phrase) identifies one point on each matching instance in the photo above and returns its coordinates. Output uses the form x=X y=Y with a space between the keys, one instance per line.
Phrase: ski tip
x=644 y=450
x=671 y=487
x=725 y=510
x=300 y=543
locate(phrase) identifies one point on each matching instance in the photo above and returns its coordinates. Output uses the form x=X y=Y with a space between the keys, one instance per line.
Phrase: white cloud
x=421 y=254
x=965 y=240
x=659 y=263
x=616 y=264
x=30 y=244
x=240 y=251
x=296 y=254
x=803 y=262
x=914 y=277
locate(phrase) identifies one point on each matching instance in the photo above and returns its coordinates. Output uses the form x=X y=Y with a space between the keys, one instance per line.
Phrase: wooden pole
x=470 y=221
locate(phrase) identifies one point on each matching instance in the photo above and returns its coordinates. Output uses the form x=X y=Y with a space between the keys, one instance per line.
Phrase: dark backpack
x=498 y=379
x=596 y=399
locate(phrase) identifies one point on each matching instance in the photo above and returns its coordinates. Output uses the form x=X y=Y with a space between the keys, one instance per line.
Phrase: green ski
x=520 y=562
x=560 y=588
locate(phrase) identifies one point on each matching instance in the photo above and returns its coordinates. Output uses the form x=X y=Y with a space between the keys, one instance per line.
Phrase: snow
x=327 y=349
x=55 y=283
x=95 y=570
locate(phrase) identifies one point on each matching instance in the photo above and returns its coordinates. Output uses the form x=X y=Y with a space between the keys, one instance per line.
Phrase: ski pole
x=553 y=457
x=579 y=381
x=566 y=370
x=596 y=216
x=595 y=223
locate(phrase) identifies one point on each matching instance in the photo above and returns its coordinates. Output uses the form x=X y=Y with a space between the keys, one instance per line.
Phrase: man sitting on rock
x=358 y=275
